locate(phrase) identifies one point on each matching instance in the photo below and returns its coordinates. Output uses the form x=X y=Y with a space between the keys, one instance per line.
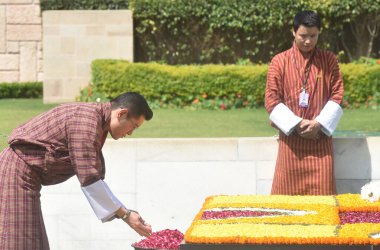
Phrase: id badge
x=304 y=99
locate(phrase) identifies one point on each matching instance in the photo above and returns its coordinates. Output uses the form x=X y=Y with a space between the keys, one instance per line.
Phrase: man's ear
x=123 y=113
x=294 y=33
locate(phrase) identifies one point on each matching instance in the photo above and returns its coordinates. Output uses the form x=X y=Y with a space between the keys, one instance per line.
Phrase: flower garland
x=287 y=214
x=353 y=202
x=258 y=219
x=241 y=233
x=274 y=199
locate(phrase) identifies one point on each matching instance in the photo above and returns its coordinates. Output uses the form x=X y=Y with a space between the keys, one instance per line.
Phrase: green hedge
x=361 y=85
x=212 y=86
x=83 y=4
x=21 y=90
x=226 y=31
x=206 y=86
x=213 y=31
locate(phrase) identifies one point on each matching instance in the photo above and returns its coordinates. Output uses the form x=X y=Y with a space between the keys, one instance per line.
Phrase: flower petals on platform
x=280 y=219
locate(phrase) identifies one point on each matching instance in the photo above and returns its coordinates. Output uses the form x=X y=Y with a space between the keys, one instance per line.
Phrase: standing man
x=51 y=148
x=304 y=90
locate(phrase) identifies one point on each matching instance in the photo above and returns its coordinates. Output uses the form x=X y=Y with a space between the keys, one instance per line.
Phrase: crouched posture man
x=51 y=148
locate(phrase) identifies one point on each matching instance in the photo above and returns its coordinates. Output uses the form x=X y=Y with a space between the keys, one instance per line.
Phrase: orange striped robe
x=303 y=166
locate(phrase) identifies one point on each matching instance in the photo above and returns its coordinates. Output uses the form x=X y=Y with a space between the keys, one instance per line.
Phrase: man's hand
x=309 y=129
x=138 y=224
x=302 y=126
x=273 y=125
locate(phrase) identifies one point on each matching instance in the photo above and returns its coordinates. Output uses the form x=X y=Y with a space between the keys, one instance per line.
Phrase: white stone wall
x=167 y=180
x=59 y=47
x=20 y=41
x=73 y=39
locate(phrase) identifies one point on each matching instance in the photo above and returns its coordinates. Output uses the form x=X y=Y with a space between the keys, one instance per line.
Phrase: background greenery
x=229 y=31
x=207 y=86
x=237 y=31
x=21 y=90
x=182 y=123
x=214 y=86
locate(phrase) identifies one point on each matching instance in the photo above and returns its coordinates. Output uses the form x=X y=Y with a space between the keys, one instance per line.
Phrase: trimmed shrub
x=361 y=85
x=21 y=90
x=204 y=86
x=213 y=86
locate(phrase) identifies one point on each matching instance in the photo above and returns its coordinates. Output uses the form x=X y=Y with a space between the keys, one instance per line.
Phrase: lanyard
x=306 y=74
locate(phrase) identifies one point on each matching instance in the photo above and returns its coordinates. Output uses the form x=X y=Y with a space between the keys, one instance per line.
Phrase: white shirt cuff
x=102 y=200
x=284 y=118
x=329 y=117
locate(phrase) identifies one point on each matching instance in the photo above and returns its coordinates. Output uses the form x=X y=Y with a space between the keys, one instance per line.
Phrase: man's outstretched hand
x=136 y=222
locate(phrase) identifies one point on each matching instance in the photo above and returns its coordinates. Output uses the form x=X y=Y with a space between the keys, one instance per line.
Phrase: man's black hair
x=306 y=18
x=135 y=103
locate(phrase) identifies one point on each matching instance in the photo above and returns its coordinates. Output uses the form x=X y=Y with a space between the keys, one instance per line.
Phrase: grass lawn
x=190 y=123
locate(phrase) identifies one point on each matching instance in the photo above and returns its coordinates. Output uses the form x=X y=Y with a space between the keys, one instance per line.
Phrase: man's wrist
x=126 y=215
x=318 y=125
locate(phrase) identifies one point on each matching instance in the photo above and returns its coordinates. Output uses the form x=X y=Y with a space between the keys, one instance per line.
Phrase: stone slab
x=194 y=149
x=13 y=47
x=17 y=32
x=352 y=158
x=16 y=1
x=9 y=62
x=28 y=61
x=23 y=14
x=87 y=17
x=258 y=149
x=265 y=169
x=9 y=76
x=185 y=185
x=120 y=158
x=3 y=24
x=84 y=35
x=374 y=151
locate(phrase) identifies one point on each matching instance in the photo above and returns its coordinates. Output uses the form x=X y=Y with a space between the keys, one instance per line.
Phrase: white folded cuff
x=102 y=200
x=284 y=118
x=329 y=117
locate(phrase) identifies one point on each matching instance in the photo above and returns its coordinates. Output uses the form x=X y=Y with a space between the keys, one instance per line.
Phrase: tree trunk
x=373 y=31
x=350 y=58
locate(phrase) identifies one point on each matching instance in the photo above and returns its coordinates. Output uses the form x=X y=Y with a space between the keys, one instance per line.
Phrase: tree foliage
x=226 y=31
x=357 y=24
x=231 y=31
